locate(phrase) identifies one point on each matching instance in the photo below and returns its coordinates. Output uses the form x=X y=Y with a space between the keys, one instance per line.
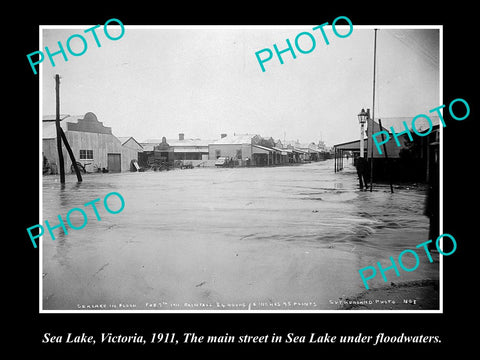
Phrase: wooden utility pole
x=373 y=105
x=57 y=124
x=61 y=136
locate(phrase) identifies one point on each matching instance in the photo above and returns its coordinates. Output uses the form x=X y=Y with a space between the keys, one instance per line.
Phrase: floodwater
x=276 y=238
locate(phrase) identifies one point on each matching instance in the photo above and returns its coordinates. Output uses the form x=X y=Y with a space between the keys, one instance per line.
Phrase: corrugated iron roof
x=177 y=142
x=49 y=130
x=263 y=147
x=201 y=149
x=188 y=142
x=349 y=145
x=148 y=147
x=125 y=139
x=235 y=139
x=300 y=145
x=151 y=141
x=260 y=149
x=54 y=117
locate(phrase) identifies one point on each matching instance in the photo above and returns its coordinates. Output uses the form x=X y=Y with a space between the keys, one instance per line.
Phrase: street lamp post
x=362 y=119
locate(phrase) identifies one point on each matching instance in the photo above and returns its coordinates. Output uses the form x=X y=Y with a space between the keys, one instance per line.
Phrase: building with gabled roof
x=94 y=145
x=129 y=141
x=237 y=147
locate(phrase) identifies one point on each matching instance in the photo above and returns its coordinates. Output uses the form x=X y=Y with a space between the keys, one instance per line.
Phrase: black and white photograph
x=216 y=180
x=232 y=168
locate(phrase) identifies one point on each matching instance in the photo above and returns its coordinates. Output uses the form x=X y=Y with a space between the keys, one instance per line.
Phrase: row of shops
x=96 y=148
x=241 y=149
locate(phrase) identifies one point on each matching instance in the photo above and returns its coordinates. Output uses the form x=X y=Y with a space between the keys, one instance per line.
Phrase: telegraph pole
x=61 y=136
x=373 y=105
x=57 y=124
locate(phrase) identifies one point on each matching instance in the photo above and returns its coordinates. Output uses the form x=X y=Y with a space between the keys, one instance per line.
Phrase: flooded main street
x=272 y=238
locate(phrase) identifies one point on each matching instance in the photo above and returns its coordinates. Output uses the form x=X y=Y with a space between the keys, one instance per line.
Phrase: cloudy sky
x=204 y=81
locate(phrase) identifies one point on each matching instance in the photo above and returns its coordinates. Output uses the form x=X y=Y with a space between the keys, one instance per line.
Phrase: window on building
x=217 y=154
x=239 y=154
x=86 y=154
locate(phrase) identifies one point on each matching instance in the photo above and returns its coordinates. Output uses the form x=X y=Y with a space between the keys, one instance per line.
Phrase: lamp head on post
x=363 y=117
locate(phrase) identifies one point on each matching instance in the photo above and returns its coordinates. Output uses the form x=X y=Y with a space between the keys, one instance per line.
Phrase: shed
x=131 y=149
